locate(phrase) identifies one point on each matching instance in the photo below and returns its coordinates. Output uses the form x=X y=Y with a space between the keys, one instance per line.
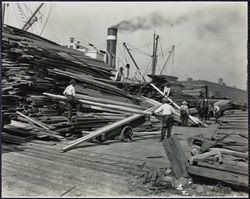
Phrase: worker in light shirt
x=119 y=75
x=166 y=90
x=216 y=113
x=70 y=93
x=166 y=112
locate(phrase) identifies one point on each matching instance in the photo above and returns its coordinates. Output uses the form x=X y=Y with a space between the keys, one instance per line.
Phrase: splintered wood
x=225 y=156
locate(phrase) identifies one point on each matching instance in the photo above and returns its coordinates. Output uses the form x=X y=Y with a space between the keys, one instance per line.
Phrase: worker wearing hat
x=166 y=90
x=70 y=93
x=184 y=114
x=119 y=75
x=167 y=112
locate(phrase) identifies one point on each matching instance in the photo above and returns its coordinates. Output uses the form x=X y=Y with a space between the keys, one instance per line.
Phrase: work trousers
x=167 y=124
x=72 y=102
x=184 y=119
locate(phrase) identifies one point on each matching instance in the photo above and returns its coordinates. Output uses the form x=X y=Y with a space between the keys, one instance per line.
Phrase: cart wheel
x=127 y=134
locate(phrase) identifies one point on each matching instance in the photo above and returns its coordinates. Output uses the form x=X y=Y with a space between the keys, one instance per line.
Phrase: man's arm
x=122 y=77
x=64 y=92
x=116 y=75
x=159 y=109
x=73 y=91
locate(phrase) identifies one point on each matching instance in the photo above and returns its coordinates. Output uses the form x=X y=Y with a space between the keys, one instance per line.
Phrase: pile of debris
x=225 y=156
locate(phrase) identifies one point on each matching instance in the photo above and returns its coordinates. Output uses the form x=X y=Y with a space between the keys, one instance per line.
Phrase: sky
x=210 y=38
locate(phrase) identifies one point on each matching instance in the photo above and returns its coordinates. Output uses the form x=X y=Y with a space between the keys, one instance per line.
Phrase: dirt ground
x=110 y=169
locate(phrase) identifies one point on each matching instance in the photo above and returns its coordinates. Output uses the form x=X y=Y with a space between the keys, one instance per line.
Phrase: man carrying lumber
x=167 y=112
x=70 y=93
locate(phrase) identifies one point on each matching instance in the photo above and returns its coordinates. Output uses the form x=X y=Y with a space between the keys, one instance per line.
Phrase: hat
x=184 y=103
x=72 y=81
x=165 y=99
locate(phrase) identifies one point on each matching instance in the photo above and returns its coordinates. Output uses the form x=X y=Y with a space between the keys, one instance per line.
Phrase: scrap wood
x=206 y=145
x=176 y=156
x=230 y=152
x=224 y=176
x=238 y=169
x=204 y=156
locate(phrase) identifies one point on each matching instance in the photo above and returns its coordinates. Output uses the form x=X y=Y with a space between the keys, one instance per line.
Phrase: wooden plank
x=115 y=107
x=107 y=128
x=34 y=121
x=230 y=152
x=228 y=177
x=176 y=157
x=48 y=133
x=226 y=167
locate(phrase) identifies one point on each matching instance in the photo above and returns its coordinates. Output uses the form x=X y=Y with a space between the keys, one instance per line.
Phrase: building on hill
x=217 y=90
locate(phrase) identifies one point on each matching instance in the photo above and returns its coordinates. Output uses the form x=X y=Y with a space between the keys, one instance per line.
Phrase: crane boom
x=32 y=19
x=124 y=44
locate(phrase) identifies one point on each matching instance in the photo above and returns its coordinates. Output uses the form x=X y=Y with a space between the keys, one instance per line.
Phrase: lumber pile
x=32 y=65
x=234 y=119
x=225 y=156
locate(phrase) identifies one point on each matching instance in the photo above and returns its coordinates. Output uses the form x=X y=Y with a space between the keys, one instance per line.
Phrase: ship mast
x=154 y=56
x=3 y=13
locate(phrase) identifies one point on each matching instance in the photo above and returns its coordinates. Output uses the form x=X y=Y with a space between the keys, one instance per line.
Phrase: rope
x=134 y=48
x=161 y=51
x=137 y=49
x=121 y=53
x=21 y=13
x=167 y=49
x=173 y=61
x=124 y=52
x=141 y=52
x=27 y=8
x=50 y=11
x=15 y=12
x=147 y=68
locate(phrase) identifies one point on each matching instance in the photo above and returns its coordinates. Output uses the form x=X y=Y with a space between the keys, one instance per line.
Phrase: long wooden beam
x=40 y=124
x=107 y=128
x=110 y=106
x=33 y=121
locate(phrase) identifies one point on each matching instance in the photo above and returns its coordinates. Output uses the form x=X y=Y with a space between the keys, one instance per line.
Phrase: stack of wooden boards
x=225 y=156
x=32 y=65
x=234 y=119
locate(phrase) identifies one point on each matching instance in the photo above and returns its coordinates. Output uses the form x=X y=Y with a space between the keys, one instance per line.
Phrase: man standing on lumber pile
x=119 y=75
x=166 y=90
x=184 y=114
x=167 y=112
x=70 y=93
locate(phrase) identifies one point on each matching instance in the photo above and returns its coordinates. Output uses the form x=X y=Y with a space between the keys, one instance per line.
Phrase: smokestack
x=111 y=46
